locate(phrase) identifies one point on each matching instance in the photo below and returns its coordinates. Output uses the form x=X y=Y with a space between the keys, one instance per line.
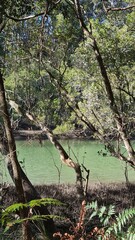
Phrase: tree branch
x=65 y=158
x=127 y=92
x=119 y=9
x=47 y=11
x=2 y=25
x=107 y=84
x=116 y=9
x=24 y=18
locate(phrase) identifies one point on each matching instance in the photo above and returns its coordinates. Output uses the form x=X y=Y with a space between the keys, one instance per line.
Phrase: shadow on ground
x=116 y=194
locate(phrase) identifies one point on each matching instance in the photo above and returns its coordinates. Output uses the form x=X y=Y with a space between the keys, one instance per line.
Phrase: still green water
x=42 y=163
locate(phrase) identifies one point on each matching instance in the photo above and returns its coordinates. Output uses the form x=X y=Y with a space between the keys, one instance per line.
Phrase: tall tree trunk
x=12 y=154
x=24 y=188
x=11 y=143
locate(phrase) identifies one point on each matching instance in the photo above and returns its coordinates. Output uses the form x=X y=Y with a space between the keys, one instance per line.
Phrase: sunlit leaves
x=40 y=58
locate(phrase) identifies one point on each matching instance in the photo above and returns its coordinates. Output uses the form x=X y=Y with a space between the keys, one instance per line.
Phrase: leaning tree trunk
x=24 y=188
x=67 y=160
x=113 y=106
x=63 y=154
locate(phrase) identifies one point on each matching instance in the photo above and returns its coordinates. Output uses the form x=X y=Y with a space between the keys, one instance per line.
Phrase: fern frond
x=122 y=219
x=92 y=205
x=15 y=207
x=111 y=210
x=102 y=211
x=32 y=218
x=9 y=211
x=33 y=203
x=44 y=202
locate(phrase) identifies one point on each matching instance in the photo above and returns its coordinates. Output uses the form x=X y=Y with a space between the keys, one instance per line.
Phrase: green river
x=42 y=163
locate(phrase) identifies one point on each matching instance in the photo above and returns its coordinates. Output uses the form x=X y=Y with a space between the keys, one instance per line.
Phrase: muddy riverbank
x=40 y=135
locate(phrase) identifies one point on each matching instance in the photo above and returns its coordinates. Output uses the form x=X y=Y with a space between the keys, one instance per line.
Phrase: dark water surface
x=43 y=166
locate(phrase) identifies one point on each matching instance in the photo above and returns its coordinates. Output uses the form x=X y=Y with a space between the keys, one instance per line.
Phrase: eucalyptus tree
x=21 y=49
x=115 y=105
x=106 y=67
x=118 y=55
x=113 y=58
x=95 y=78
x=70 y=54
x=14 y=10
x=80 y=77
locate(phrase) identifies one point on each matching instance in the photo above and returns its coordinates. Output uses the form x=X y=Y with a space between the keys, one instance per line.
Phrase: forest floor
x=119 y=195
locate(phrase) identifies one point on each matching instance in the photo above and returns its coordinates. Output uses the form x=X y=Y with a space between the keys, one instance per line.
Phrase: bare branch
x=44 y=13
x=116 y=9
x=120 y=9
x=79 y=15
x=24 y=18
x=71 y=102
x=127 y=92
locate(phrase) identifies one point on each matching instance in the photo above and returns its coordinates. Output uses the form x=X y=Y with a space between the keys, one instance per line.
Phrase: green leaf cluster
x=121 y=226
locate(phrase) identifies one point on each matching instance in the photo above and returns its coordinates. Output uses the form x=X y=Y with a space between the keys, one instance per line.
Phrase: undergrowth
x=105 y=219
x=107 y=225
